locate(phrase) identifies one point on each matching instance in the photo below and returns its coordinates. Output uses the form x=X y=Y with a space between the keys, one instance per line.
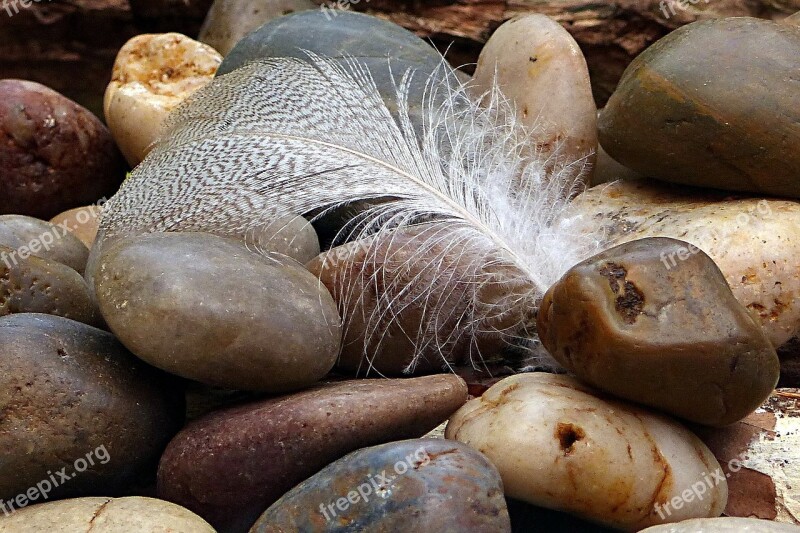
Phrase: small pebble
x=538 y=65
x=81 y=222
x=754 y=241
x=36 y=285
x=152 y=75
x=29 y=236
x=712 y=104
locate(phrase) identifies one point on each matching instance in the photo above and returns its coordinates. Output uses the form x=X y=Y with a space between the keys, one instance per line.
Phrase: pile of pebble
x=189 y=382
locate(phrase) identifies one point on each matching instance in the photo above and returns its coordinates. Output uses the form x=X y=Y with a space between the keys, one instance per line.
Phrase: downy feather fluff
x=290 y=136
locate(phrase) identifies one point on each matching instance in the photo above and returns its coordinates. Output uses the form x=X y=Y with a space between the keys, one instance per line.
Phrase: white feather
x=288 y=136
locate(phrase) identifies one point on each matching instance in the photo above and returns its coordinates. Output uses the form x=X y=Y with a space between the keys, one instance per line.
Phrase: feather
x=290 y=136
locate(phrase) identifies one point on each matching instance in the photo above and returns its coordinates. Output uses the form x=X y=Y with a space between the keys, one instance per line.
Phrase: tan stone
x=673 y=337
x=539 y=66
x=152 y=75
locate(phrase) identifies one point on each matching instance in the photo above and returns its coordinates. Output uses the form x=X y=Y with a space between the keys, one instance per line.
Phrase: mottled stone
x=134 y=514
x=230 y=20
x=415 y=485
x=82 y=222
x=72 y=397
x=671 y=336
x=36 y=285
x=54 y=154
x=794 y=20
x=538 y=65
x=208 y=309
x=393 y=324
x=558 y=444
x=232 y=464
x=30 y=236
x=724 y=524
x=755 y=242
x=387 y=50
x=152 y=75
x=712 y=104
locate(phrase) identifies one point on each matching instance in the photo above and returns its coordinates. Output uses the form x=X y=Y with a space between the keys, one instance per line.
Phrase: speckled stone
x=36 y=285
x=54 y=154
x=68 y=390
x=418 y=485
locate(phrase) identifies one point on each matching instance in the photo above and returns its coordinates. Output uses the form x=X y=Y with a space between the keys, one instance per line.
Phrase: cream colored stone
x=558 y=445
x=755 y=242
x=539 y=66
x=153 y=73
x=793 y=19
x=724 y=525
x=133 y=514
x=230 y=20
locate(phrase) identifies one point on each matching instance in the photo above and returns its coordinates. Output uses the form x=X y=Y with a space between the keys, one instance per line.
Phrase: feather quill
x=290 y=136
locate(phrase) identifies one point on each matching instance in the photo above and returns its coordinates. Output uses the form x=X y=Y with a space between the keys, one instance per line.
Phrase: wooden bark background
x=70 y=45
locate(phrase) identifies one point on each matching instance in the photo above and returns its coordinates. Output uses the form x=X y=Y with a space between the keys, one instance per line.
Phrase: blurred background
x=70 y=46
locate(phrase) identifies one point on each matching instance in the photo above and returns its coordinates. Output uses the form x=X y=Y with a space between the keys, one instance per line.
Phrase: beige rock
x=153 y=73
x=206 y=308
x=539 y=66
x=105 y=515
x=230 y=20
x=755 y=242
x=793 y=19
x=724 y=524
x=558 y=445
x=81 y=222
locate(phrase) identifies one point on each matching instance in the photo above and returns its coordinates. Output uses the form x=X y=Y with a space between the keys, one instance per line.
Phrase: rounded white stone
x=558 y=445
